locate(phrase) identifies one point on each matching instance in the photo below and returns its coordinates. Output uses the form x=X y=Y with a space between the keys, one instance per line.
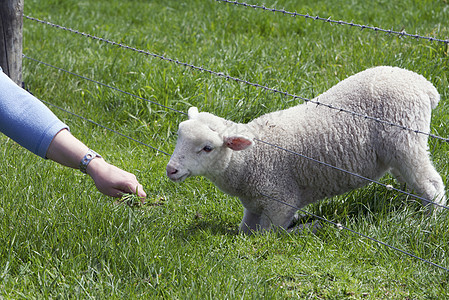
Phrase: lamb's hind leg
x=421 y=176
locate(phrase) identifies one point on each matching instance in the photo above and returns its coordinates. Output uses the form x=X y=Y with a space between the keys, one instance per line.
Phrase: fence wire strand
x=105 y=85
x=339 y=226
x=401 y=33
x=105 y=127
x=228 y=77
x=261 y=141
x=389 y=187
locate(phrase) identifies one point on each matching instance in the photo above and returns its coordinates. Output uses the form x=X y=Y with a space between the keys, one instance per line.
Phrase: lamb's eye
x=207 y=149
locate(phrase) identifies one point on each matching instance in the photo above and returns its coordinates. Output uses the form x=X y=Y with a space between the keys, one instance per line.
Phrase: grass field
x=61 y=238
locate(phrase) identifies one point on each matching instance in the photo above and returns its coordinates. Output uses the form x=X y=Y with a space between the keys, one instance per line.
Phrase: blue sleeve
x=25 y=119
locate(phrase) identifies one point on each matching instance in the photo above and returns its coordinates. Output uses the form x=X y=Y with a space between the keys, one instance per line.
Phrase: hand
x=113 y=181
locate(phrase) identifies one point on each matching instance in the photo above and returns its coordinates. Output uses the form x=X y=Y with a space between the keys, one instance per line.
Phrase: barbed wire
x=228 y=77
x=340 y=226
x=389 y=187
x=102 y=126
x=91 y=121
x=401 y=33
x=105 y=85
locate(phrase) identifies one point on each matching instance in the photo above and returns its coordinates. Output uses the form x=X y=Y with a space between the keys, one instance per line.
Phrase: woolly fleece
x=232 y=156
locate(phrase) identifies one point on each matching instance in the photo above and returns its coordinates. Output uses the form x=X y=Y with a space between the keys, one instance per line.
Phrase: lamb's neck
x=231 y=179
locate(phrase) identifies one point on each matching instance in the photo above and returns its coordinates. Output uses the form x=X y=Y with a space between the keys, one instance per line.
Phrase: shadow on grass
x=210 y=225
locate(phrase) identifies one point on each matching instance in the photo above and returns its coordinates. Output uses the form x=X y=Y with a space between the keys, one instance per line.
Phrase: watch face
x=91 y=154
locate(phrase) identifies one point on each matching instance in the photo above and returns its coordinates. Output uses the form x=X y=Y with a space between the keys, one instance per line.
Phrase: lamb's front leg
x=273 y=213
x=253 y=222
x=250 y=222
x=279 y=217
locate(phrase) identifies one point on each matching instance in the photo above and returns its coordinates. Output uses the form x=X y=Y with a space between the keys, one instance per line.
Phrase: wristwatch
x=91 y=154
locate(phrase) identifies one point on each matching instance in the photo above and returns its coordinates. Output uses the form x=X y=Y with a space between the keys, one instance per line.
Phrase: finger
x=140 y=192
x=133 y=189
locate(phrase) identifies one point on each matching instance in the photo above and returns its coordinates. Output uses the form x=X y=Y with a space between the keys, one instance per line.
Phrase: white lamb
x=233 y=157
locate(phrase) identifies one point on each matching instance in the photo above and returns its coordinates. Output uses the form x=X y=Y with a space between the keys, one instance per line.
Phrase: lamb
x=233 y=157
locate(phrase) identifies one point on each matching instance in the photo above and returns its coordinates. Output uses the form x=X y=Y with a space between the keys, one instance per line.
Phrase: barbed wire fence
x=284 y=12
x=256 y=85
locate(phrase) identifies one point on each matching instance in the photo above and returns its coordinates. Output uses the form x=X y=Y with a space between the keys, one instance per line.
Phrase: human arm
x=30 y=123
x=67 y=150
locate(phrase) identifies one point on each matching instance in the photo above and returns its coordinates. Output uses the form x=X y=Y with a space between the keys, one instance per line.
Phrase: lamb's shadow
x=213 y=225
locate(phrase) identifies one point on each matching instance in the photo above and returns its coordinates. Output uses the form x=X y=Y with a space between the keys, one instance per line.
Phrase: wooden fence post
x=11 y=24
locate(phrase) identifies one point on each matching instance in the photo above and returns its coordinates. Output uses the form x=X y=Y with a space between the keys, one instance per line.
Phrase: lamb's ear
x=237 y=143
x=193 y=112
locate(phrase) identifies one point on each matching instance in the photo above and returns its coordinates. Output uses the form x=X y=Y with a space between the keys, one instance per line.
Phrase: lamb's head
x=204 y=146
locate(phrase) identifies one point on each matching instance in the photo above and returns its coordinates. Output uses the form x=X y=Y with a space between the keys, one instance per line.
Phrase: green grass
x=61 y=238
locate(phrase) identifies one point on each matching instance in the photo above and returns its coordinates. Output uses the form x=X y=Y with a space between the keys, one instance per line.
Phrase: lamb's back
x=342 y=139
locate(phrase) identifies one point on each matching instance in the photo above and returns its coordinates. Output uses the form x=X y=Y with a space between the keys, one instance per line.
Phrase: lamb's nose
x=171 y=170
